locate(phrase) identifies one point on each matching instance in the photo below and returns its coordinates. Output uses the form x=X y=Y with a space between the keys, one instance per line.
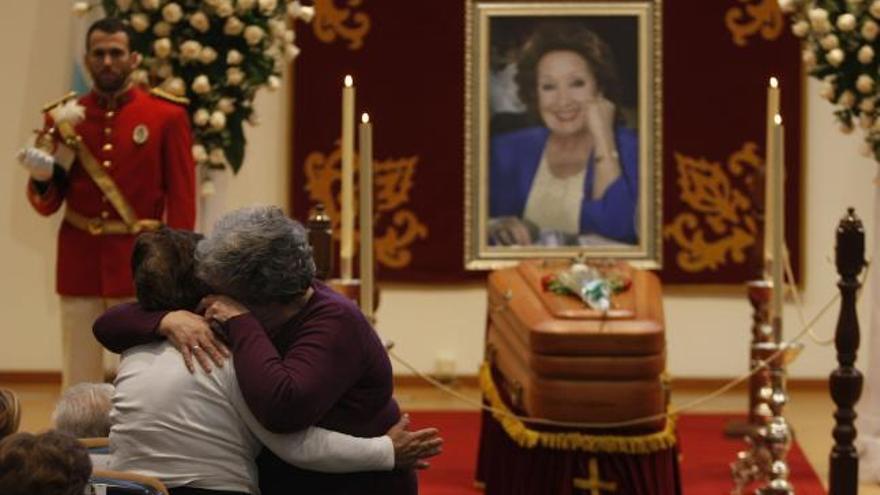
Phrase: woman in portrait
x=576 y=175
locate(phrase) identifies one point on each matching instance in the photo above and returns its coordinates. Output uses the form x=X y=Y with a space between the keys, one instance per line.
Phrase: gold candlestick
x=346 y=244
x=366 y=215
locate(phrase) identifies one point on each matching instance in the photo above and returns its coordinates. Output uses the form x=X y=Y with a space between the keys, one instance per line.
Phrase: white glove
x=37 y=162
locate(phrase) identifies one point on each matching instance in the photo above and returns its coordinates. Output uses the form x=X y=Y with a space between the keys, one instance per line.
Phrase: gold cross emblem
x=594 y=483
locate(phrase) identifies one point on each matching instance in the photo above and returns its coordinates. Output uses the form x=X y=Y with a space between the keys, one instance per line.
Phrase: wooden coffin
x=558 y=359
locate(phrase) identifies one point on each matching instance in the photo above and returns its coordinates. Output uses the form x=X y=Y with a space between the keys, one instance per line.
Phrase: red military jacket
x=156 y=176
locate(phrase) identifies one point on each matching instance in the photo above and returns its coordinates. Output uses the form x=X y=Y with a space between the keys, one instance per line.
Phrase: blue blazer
x=515 y=157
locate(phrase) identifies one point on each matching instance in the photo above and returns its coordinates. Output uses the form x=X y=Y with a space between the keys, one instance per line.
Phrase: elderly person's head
x=562 y=68
x=258 y=256
x=163 y=266
x=50 y=463
x=10 y=412
x=83 y=411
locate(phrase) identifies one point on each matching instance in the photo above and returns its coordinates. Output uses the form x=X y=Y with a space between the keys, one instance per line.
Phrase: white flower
x=243 y=6
x=273 y=83
x=865 y=84
x=827 y=90
x=818 y=15
x=162 y=47
x=822 y=27
x=253 y=119
x=866 y=54
x=140 y=22
x=298 y=11
x=289 y=36
x=212 y=3
x=162 y=29
x=200 y=154
x=200 y=22
x=175 y=86
x=809 y=58
x=835 y=57
x=829 y=42
x=846 y=22
x=234 y=57
x=800 y=28
x=150 y=4
x=81 y=8
x=217 y=156
x=189 y=50
x=224 y=8
x=870 y=29
x=124 y=5
x=226 y=105
x=208 y=188
x=207 y=55
x=874 y=9
x=787 y=6
x=201 y=117
x=233 y=26
x=201 y=84
x=253 y=35
x=847 y=99
x=164 y=70
x=172 y=13
x=866 y=120
x=291 y=51
x=268 y=6
x=140 y=77
x=277 y=28
x=234 y=76
x=218 y=120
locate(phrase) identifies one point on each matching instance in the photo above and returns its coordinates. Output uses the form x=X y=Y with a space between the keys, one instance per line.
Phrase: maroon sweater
x=325 y=366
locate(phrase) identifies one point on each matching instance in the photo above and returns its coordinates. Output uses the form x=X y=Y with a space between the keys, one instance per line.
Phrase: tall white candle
x=772 y=144
x=778 y=233
x=346 y=244
x=365 y=152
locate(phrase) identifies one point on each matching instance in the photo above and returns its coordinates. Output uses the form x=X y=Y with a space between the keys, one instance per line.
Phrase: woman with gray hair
x=83 y=411
x=303 y=354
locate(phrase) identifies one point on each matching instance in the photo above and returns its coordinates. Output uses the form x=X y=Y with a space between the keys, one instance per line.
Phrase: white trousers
x=82 y=357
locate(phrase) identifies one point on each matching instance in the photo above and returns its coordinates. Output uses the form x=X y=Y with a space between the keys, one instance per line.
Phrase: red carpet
x=706 y=455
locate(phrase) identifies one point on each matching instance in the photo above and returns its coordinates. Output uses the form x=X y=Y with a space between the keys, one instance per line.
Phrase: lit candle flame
x=365 y=118
x=777 y=119
x=348 y=81
x=774 y=83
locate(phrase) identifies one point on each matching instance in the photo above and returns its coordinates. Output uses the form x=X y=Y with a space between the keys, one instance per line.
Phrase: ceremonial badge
x=140 y=134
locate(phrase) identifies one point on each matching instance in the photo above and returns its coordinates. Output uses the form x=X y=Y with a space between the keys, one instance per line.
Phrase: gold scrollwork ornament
x=763 y=18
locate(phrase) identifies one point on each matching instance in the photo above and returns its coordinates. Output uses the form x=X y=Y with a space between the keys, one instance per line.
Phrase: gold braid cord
x=612 y=444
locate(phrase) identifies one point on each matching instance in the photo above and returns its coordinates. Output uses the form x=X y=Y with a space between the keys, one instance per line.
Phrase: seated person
x=10 y=412
x=50 y=463
x=193 y=431
x=83 y=411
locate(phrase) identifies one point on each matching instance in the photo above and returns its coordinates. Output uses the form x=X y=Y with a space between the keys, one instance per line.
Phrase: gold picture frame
x=497 y=36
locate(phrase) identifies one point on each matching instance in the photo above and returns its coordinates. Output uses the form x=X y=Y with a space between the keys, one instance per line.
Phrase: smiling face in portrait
x=565 y=88
x=110 y=60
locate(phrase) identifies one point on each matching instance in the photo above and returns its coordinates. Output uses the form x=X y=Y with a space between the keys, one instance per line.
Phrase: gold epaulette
x=165 y=95
x=64 y=99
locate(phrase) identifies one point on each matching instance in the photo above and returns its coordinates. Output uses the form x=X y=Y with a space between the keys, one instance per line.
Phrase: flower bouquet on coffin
x=592 y=284
x=215 y=53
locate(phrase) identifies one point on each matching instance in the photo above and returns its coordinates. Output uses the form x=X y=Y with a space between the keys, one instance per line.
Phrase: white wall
x=708 y=329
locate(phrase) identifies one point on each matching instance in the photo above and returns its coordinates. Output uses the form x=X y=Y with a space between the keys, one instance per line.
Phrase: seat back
x=106 y=482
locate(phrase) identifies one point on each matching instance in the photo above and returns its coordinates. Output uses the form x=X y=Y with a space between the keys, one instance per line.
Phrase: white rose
x=847 y=99
x=846 y=22
x=189 y=50
x=150 y=4
x=866 y=120
x=268 y=6
x=298 y=11
x=217 y=156
x=162 y=47
x=865 y=84
x=870 y=29
x=234 y=57
x=200 y=154
x=175 y=86
x=226 y=105
x=254 y=35
x=787 y=6
x=800 y=28
x=201 y=117
x=835 y=57
x=124 y=5
x=233 y=26
x=81 y=8
x=164 y=71
x=273 y=82
x=874 y=9
x=207 y=55
x=827 y=90
x=208 y=188
x=829 y=42
x=291 y=51
x=866 y=54
x=234 y=76
x=140 y=77
x=224 y=8
x=809 y=58
x=277 y=28
x=140 y=22
x=218 y=120
x=867 y=105
x=289 y=36
x=212 y=3
x=201 y=84
x=819 y=15
x=172 y=13
x=200 y=22
x=243 y=6
x=162 y=29
x=822 y=27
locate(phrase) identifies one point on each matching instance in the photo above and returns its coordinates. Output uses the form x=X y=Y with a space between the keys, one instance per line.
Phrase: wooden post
x=846 y=381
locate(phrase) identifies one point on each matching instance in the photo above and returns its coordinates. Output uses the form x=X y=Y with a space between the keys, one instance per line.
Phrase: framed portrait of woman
x=563 y=131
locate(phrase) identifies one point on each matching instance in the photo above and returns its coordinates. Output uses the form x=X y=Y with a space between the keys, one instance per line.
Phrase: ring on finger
x=196 y=347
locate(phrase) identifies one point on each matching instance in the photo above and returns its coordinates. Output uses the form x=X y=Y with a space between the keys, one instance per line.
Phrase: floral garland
x=840 y=47
x=216 y=53
x=593 y=285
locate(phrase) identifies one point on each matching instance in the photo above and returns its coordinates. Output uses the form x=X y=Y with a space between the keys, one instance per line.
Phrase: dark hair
x=10 y=412
x=552 y=36
x=109 y=25
x=50 y=463
x=163 y=265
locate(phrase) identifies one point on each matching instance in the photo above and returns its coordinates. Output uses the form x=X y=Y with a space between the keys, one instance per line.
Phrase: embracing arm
x=127 y=325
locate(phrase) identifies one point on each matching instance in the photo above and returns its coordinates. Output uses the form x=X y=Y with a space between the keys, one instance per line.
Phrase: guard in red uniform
x=121 y=160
